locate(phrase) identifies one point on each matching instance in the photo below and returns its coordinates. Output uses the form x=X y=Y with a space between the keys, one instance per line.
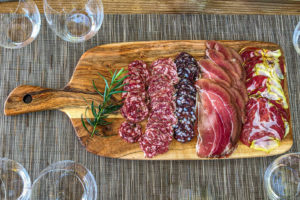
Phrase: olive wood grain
x=116 y=56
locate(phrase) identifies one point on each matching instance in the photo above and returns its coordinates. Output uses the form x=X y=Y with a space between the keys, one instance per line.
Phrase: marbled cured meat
x=264 y=127
x=266 y=112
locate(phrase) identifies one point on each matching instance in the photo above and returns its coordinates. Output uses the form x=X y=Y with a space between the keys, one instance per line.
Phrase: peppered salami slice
x=185 y=114
x=168 y=71
x=130 y=132
x=183 y=132
x=186 y=63
x=134 y=109
x=185 y=101
x=185 y=84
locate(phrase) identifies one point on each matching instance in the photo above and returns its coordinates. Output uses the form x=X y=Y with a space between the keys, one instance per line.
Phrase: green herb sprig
x=106 y=107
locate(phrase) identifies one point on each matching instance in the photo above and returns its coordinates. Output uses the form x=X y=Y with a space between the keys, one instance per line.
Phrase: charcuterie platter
x=80 y=91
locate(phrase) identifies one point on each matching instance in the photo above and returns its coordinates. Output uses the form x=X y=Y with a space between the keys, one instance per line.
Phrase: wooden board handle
x=26 y=98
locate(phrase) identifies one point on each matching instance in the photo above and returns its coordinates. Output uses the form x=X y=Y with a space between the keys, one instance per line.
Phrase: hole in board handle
x=27 y=98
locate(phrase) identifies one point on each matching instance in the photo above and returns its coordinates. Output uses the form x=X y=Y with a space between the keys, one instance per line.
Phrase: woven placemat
x=39 y=139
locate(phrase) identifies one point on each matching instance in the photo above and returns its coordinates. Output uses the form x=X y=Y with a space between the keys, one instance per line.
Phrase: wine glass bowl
x=74 y=21
x=15 y=182
x=282 y=178
x=21 y=25
x=296 y=38
x=65 y=180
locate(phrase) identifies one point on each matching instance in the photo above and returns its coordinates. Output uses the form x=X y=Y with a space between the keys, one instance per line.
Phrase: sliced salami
x=163 y=128
x=162 y=118
x=139 y=68
x=183 y=132
x=130 y=132
x=134 y=109
x=167 y=70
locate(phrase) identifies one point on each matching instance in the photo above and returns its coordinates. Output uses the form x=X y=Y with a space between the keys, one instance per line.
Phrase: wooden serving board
x=103 y=58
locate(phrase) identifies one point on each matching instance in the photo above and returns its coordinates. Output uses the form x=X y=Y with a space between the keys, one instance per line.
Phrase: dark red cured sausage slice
x=212 y=71
x=186 y=100
x=183 y=132
x=134 y=109
x=186 y=114
x=187 y=85
x=130 y=132
x=187 y=66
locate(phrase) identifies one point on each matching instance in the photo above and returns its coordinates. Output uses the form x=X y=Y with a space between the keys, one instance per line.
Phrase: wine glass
x=65 y=180
x=296 y=38
x=76 y=20
x=282 y=180
x=14 y=181
x=21 y=25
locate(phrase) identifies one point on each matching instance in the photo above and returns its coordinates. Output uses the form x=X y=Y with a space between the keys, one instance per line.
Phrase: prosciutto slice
x=219 y=126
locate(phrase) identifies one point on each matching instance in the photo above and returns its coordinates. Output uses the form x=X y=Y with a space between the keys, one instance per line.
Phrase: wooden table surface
x=286 y=7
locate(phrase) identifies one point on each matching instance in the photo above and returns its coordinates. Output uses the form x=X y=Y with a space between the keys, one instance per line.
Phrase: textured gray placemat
x=39 y=139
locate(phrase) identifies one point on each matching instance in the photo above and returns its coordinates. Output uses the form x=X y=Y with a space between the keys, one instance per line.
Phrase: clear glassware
x=65 y=180
x=76 y=20
x=282 y=180
x=21 y=25
x=14 y=181
x=296 y=38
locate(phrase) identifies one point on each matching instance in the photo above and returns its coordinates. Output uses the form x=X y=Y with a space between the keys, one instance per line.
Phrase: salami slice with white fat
x=130 y=132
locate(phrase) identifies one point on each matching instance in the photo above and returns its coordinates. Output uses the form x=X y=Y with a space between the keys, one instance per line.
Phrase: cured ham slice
x=210 y=70
x=219 y=126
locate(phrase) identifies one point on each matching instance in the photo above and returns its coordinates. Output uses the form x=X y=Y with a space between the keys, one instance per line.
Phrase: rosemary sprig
x=106 y=107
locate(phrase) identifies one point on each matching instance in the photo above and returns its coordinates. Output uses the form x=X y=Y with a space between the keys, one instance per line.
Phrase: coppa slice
x=264 y=127
x=223 y=108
